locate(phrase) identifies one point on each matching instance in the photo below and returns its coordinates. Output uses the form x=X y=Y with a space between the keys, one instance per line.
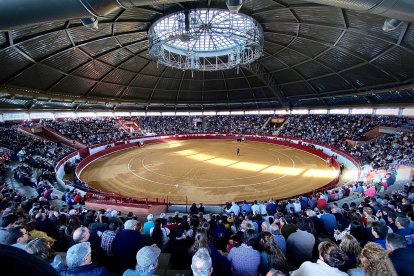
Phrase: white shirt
x=165 y=233
x=235 y=209
x=255 y=208
x=319 y=268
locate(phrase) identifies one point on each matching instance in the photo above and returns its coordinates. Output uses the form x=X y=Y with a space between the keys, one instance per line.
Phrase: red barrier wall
x=121 y=200
x=120 y=145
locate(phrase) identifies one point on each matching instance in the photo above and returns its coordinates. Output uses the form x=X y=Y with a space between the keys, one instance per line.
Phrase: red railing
x=113 y=199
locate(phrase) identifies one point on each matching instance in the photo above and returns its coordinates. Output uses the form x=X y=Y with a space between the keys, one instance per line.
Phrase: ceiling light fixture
x=205 y=40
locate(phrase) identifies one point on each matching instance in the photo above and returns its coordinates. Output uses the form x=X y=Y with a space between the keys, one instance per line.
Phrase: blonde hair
x=375 y=261
x=350 y=245
x=370 y=220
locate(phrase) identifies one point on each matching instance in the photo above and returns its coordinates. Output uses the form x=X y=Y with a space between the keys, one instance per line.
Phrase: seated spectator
x=271 y=255
x=350 y=246
x=159 y=234
x=108 y=237
x=278 y=237
x=330 y=259
x=201 y=264
x=299 y=245
x=239 y=255
x=402 y=224
x=17 y=237
x=179 y=247
x=40 y=248
x=126 y=244
x=149 y=224
x=379 y=230
x=147 y=262
x=14 y=261
x=7 y=222
x=79 y=261
x=400 y=255
x=374 y=261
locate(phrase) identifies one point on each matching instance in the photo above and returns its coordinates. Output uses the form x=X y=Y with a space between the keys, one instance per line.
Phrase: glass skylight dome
x=205 y=39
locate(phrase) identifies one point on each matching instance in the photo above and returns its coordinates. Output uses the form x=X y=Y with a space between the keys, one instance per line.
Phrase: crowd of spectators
x=333 y=130
x=309 y=235
x=165 y=124
x=304 y=236
x=236 y=124
x=88 y=131
x=388 y=149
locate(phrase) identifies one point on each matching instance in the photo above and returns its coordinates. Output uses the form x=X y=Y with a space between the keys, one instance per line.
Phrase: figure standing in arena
x=238 y=151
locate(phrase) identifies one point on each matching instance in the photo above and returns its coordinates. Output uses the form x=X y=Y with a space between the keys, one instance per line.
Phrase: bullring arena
x=209 y=171
x=207 y=137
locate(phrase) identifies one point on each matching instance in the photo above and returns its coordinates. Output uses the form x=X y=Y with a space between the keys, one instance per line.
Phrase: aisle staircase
x=129 y=126
x=45 y=133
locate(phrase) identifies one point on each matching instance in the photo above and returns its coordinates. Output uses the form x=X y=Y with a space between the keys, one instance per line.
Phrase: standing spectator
x=278 y=237
x=194 y=209
x=379 y=230
x=201 y=208
x=402 y=223
x=329 y=221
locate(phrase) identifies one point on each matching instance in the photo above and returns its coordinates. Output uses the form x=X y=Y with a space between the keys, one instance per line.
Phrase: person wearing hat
x=147 y=262
x=79 y=261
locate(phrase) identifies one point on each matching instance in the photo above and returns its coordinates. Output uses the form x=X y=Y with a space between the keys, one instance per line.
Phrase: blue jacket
x=85 y=270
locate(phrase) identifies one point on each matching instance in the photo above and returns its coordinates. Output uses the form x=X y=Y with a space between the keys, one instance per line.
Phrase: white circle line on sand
x=212 y=187
x=205 y=179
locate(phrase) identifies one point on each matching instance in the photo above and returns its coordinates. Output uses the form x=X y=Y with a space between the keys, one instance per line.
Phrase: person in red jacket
x=321 y=203
x=77 y=198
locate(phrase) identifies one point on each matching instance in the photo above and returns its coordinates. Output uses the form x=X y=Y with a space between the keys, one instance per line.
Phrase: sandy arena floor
x=209 y=171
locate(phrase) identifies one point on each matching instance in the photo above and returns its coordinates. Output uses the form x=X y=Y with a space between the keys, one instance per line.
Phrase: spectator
x=299 y=246
x=179 y=248
x=149 y=224
x=400 y=255
x=374 y=261
x=379 y=230
x=17 y=237
x=330 y=259
x=239 y=255
x=126 y=244
x=159 y=234
x=40 y=248
x=201 y=264
x=79 y=261
x=147 y=262
x=271 y=255
x=108 y=237
x=350 y=246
